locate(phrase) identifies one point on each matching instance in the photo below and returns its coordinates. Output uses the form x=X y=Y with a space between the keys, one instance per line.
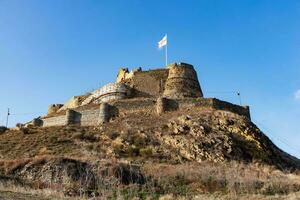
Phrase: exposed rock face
x=222 y=136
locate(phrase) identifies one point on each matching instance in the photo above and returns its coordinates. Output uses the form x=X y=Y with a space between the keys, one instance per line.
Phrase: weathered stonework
x=182 y=82
x=74 y=102
x=154 y=92
x=53 y=108
x=54 y=121
x=103 y=113
x=109 y=92
x=37 y=122
x=147 y=83
x=70 y=117
x=161 y=105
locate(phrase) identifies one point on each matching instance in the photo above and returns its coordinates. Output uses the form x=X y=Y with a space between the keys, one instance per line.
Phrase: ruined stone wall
x=148 y=83
x=109 y=92
x=89 y=117
x=223 y=105
x=73 y=102
x=53 y=108
x=54 y=121
x=93 y=116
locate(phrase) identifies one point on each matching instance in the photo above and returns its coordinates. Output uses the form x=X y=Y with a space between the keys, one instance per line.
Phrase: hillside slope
x=131 y=149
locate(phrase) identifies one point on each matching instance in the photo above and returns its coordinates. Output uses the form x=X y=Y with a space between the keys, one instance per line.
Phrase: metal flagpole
x=7 y=117
x=167 y=50
x=240 y=99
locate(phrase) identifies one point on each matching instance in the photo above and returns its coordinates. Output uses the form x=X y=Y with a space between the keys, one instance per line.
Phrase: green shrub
x=146 y=152
x=113 y=135
x=133 y=151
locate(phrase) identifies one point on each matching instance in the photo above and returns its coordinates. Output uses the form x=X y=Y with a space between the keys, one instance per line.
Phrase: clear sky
x=51 y=50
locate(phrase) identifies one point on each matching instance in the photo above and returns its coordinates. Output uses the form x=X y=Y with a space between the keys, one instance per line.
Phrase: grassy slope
x=164 y=148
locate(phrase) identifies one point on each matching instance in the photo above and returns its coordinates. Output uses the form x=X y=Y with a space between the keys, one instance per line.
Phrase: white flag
x=163 y=42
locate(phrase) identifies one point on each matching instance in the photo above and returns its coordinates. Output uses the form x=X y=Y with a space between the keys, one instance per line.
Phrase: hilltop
x=151 y=134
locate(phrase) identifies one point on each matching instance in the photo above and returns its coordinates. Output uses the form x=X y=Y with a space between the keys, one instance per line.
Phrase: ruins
x=156 y=91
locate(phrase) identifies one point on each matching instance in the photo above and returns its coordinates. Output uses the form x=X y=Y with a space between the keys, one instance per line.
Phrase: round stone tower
x=182 y=82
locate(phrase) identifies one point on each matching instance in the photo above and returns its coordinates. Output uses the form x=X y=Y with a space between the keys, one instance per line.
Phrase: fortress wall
x=197 y=102
x=223 y=105
x=148 y=83
x=89 y=117
x=149 y=105
x=54 y=121
x=135 y=105
x=111 y=91
x=210 y=103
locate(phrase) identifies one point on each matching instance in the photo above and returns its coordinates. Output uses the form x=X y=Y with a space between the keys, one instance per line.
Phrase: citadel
x=175 y=87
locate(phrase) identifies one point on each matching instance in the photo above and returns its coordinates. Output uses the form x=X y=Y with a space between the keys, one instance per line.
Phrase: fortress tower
x=182 y=82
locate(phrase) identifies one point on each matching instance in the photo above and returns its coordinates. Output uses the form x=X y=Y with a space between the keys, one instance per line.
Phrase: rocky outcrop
x=220 y=137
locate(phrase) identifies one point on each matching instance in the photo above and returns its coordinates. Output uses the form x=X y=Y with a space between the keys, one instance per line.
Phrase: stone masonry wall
x=55 y=121
x=91 y=117
x=182 y=82
x=148 y=83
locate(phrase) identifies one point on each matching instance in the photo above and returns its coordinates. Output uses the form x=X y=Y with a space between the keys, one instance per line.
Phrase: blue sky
x=51 y=50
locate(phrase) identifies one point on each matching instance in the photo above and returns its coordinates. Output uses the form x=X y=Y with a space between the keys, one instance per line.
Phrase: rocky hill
x=188 y=153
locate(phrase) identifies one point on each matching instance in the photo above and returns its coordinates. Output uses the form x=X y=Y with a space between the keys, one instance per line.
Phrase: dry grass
x=226 y=178
x=207 y=180
x=139 y=149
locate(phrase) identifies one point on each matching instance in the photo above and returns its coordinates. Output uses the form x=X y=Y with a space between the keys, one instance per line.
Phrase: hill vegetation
x=193 y=154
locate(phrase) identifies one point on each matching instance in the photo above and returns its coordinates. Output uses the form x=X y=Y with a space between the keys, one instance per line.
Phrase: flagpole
x=167 y=51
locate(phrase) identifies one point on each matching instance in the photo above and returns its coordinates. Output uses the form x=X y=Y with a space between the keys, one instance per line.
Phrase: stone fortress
x=175 y=87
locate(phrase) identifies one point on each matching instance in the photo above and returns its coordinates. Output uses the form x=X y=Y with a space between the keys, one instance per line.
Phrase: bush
x=85 y=136
x=118 y=149
x=2 y=129
x=133 y=151
x=25 y=130
x=113 y=135
x=146 y=152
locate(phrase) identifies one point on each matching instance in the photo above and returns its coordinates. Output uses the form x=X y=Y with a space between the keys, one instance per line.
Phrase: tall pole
x=167 y=50
x=240 y=99
x=7 y=117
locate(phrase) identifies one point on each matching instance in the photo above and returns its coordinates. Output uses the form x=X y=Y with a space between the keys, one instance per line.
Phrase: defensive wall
x=149 y=83
x=155 y=91
x=177 y=80
x=105 y=111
